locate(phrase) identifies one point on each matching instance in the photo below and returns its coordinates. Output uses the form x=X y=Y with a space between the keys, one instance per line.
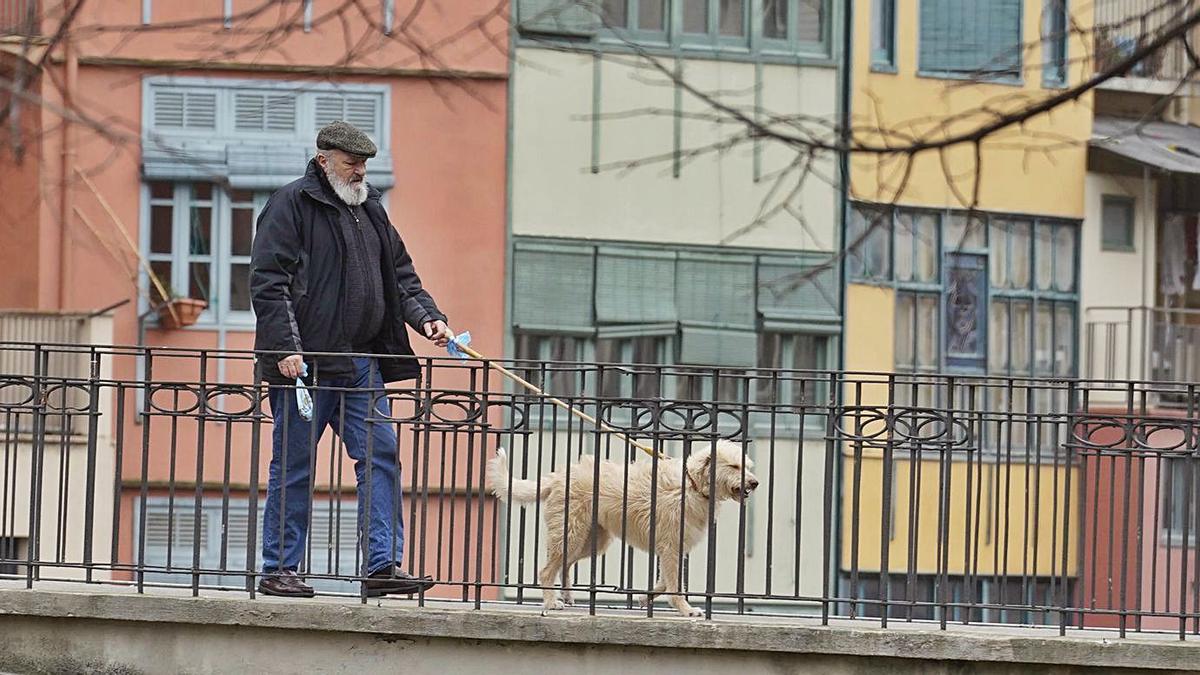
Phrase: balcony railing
x=936 y=498
x=1145 y=343
x=1124 y=26
x=19 y=17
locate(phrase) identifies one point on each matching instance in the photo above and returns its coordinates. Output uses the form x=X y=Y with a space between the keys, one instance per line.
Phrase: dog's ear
x=699 y=461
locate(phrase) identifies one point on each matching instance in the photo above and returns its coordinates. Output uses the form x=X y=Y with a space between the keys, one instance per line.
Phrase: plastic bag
x=304 y=402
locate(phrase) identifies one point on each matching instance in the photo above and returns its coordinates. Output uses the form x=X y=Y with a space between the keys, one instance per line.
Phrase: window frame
x=883 y=60
x=1129 y=203
x=982 y=76
x=673 y=41
x=990 y=221
x=1055 y=73
x=220 y=260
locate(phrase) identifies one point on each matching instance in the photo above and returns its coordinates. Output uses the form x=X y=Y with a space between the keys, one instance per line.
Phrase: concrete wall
x=77 y=633
x=555 y=133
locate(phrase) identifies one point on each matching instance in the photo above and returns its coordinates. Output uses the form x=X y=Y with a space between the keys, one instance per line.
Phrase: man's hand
x=438 y=332
x=290 y=366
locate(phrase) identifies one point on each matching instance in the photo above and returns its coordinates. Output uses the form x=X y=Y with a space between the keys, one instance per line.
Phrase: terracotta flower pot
x=186 y=311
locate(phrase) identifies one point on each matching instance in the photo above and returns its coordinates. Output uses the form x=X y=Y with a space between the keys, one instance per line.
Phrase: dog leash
x=459 y=347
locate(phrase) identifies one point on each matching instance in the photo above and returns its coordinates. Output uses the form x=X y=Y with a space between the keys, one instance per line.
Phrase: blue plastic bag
x=461 y=340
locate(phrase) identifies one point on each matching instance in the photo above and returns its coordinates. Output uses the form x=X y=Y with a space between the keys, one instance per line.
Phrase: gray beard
x=353 y=195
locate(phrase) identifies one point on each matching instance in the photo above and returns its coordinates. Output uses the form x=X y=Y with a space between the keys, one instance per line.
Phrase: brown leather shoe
x=391 y=580
x=286 y=584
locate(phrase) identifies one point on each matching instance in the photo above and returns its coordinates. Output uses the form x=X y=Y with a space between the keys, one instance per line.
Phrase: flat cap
x=346 y=137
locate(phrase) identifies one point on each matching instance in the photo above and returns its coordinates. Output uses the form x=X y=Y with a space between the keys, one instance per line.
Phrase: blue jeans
x=372 y=445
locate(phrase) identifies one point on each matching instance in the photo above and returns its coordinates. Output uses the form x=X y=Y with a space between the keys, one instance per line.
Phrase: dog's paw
x=557 y=605
x=691 y=612
x=502 y=454
x=644 y=601
x=567 y=599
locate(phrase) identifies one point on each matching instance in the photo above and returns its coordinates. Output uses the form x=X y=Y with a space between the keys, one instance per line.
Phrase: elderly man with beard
x=330 y=274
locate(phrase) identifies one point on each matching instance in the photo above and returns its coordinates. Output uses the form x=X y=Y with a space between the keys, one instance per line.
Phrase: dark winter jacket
x=297 y=283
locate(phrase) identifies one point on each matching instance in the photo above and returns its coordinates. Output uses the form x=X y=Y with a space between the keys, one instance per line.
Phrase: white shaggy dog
x=680 y=493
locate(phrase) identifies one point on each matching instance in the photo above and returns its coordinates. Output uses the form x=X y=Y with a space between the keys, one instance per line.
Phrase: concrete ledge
x=407 y=621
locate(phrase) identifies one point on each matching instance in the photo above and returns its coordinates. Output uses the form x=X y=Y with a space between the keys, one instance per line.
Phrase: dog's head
x=732 y=476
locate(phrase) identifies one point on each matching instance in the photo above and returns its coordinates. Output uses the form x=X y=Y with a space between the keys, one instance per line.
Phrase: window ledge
x=801 y=57
x=1111 y=248
x=1001 y=81
x=884 y=68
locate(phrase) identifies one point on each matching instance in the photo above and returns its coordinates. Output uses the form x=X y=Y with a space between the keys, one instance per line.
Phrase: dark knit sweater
x=364 y=308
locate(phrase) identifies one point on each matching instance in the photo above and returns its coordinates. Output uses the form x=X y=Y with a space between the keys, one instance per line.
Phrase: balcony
x=1124 y=26
x=1158 y=344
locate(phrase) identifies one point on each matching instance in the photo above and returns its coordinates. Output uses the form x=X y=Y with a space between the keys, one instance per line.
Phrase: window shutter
x=184 y=109
x=552 y=287
x=789 y=292
x=703 y=346
x=329 y=108
x=716 y=290
x=254 y=111
x=361 y=111
x=1004 y=46
x=333 y=538
x=556 y=17
x=265 y=166
x=183 y=160
x=173 y=530
x=635 y=286
x=969 y=36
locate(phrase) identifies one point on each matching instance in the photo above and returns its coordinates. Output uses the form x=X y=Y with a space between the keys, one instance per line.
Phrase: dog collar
x=695 y=486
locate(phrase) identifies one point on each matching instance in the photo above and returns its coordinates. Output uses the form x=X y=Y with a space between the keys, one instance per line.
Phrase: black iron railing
x=1069 y=503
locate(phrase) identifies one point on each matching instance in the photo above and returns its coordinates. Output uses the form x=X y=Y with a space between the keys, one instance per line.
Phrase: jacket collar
x=317 y=186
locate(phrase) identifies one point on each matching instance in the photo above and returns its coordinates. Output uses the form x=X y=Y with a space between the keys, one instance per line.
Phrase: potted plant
x=178 y=312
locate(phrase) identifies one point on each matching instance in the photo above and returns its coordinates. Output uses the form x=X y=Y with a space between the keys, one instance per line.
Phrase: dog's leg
x=649 y=597
x=549 y=578
x=670 y=582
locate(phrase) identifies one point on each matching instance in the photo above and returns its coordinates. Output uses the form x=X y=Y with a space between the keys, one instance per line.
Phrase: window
x=171 y=542
x=799 y=398
x=916 y=245
x=715 y=315
x=1179 y=492
x=198 y=244
x=916 y=332
x=916 y=596
x=883 y=34
x=869 y=244
x=971 y=38
x=1116 y=223
x=251 y=134
x=980 y=292
x=1033 y=307
x=13 y=552
x=557 y=378
x=734 y=26
x=1055 y=31
x=631 y=381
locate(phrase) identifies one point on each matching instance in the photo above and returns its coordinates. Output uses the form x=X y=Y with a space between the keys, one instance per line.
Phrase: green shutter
x=716 y=290
x=969 y=36
x=702 y=346
x=635 y=286
x=552 y=287
x=557 y=17
x=789 y=290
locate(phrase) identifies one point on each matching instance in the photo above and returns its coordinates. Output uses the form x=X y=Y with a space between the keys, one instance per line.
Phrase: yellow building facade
x=963 y=257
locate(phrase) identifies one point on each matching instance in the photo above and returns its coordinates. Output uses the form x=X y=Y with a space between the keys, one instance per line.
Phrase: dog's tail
x=521 y=491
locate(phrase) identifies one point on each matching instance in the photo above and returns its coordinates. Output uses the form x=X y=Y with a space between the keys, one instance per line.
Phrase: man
x=329 y=273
